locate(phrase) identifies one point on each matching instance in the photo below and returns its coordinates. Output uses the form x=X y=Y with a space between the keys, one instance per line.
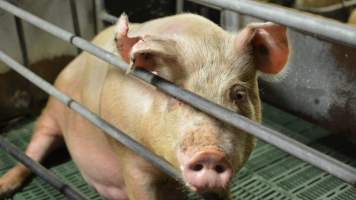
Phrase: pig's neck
x=140 y=111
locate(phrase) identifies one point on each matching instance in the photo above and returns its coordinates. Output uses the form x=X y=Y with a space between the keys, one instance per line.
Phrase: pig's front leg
x=45 y=138
x=139 y=179
x=144 y=182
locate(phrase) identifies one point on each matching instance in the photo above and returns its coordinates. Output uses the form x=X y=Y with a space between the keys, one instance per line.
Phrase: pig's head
x=220 y=66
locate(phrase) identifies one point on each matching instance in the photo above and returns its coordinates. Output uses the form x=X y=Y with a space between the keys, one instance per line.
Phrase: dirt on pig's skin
x=188 y=50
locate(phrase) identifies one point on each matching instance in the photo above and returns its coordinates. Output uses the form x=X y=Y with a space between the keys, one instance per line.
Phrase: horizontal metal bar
x=314 y=25
x=39 y=170
x=92 y=117
x=273 y=137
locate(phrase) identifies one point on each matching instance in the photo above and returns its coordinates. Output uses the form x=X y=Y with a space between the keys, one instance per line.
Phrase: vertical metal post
x=99 y=9
x=75 y=19
x=94 y=17
x=21 y=38
x=230 y=20
x=179 y=6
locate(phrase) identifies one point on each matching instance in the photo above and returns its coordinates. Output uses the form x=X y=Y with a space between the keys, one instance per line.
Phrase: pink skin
x=207 y=170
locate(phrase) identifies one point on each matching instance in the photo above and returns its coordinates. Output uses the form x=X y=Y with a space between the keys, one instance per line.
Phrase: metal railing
x=307 y=23
x=301 y=21
x=39 y=170
x=273 y=137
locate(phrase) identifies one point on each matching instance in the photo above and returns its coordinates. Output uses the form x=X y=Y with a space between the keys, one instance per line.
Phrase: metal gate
x=316 y=26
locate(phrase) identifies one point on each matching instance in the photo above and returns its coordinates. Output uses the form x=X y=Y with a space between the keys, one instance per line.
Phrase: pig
x=195 y=54
x=316 y=3
x=352 y=18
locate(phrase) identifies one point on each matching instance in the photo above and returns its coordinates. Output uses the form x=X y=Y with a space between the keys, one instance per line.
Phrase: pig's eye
x=237 y=93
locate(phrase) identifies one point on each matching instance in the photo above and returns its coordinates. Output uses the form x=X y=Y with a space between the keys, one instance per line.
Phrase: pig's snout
x=208 y=171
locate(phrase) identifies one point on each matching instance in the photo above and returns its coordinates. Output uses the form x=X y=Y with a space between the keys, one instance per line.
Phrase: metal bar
x=273 y=137
x=22 y=41
x=92 y=117
x=229 y=20
x=39 y=170
x=108 y=17
x=314 y=25
x=99 y=8
x=75 y=19
x=94 y=17
x=179 y=6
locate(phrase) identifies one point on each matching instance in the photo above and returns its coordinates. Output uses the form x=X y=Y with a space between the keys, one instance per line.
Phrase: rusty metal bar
x=289 y=145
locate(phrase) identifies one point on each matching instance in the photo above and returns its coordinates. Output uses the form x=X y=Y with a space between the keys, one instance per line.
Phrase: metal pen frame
x=339 y=32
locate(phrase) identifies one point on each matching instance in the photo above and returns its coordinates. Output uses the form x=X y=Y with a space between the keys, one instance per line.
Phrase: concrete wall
x=47 y=54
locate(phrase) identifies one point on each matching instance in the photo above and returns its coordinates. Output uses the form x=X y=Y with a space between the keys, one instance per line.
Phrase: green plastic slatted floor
x=270 y=174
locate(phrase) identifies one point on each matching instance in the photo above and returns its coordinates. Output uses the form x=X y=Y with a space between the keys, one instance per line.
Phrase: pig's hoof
x=8 y=187
x=5 y=191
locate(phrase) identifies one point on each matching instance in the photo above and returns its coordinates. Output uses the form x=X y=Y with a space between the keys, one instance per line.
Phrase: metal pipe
x=108 y=17
x=273 y=137
x=94 y=17
x=22 y=41
x=39 y=170
x=75 y=19
x=99 y=8
x=230 y=20
x=179 y=6
x=314 y=25
x=92 y=117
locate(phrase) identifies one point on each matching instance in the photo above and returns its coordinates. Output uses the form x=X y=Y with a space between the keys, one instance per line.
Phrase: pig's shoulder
x=84 y=76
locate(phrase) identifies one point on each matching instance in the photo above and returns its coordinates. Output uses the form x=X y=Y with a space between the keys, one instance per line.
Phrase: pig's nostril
x=197 y=167
x=219 y=169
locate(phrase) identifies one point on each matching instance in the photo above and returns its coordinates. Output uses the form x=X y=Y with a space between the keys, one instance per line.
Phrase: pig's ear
x=142 y=51
x=270 y=48
x=123 y=42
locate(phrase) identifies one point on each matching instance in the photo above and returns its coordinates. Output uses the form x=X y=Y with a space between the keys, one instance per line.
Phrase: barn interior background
x=318 y=93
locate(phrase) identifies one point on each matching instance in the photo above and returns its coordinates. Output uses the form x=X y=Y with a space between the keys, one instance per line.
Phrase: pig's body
x=88 y=146
x=83 y=80
x=316 y=4
x=198 y=56
x=352 y=18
